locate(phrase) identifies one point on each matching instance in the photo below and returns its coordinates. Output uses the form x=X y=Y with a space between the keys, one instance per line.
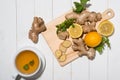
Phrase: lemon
x=92 y=39
x=105 y=28
x=75 y=30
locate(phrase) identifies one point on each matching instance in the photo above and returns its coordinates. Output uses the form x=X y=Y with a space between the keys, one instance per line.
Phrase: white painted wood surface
x=16 y=17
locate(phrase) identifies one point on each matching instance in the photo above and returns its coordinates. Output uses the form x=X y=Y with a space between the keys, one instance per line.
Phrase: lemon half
x=105 y=28
x=75 y=30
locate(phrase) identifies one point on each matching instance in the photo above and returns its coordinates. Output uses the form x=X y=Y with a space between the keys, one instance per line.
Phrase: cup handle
x=18 y=77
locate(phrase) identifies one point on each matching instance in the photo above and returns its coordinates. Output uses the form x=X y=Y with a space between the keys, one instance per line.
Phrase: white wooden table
x=16 y=17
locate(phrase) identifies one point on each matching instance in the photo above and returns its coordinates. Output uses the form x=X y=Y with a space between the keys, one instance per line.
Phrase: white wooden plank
x=98 y=67
x=61 y=73
x=114 y=53
x=25 y=14
x=7 y=38
x=60 y=7
x=80 y=67
x=43 y=8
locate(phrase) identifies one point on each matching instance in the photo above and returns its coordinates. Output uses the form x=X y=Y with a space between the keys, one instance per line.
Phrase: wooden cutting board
x=54 y=42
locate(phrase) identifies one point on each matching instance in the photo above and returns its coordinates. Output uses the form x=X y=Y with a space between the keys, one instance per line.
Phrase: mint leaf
x=84 y=1
x=32 y=63
x=80 y=6
x=26 y=67
x=100 y=47
x=77 y=4
x=107 y=42
x=64 y=25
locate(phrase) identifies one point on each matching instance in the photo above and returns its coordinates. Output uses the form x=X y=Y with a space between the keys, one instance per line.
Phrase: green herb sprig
x=27 y=66
x=64 y=25
x=80 y=6
x=105 y=41
x=32 y=62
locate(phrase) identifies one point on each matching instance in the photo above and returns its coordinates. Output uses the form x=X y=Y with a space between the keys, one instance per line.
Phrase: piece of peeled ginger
x=58 y=54
x=67 y=43
x=62 y=48
x=63 y=58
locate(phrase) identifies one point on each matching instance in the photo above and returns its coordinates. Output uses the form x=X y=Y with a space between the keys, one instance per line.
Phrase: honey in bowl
x=27 y=62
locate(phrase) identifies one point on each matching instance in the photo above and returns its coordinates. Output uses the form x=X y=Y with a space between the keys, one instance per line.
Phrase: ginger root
x=33 y=36
x=88 y=27
x=63 y=35
x=80 y=46
x=38 y=26
x=72 y=15
x=86 y=19
x=83 y=17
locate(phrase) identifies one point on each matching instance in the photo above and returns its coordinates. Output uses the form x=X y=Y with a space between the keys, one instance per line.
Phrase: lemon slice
x=75 y=30
x=105 y=28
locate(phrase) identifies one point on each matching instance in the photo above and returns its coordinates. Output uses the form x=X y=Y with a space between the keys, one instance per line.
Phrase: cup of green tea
x=29 y=63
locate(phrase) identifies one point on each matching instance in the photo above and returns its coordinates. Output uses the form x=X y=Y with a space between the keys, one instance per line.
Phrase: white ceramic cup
x=40 y=69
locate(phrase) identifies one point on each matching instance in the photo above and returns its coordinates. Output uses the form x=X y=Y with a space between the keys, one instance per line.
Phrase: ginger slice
x=67 y=43
x=62 y=48
x=58 y=54
x=63 y=58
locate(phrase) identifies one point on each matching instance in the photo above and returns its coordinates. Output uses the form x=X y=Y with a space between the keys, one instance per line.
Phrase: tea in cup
x=29 y=63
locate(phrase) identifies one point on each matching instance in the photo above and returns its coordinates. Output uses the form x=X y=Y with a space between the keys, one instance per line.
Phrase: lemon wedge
x=105 y=28
x=75 y=30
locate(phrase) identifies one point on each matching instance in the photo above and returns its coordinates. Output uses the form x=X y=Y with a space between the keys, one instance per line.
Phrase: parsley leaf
x=84 y=1
x=32 y=63
x=80 y=6
x=105 y=41
x=64 y=25
x=26 y=67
